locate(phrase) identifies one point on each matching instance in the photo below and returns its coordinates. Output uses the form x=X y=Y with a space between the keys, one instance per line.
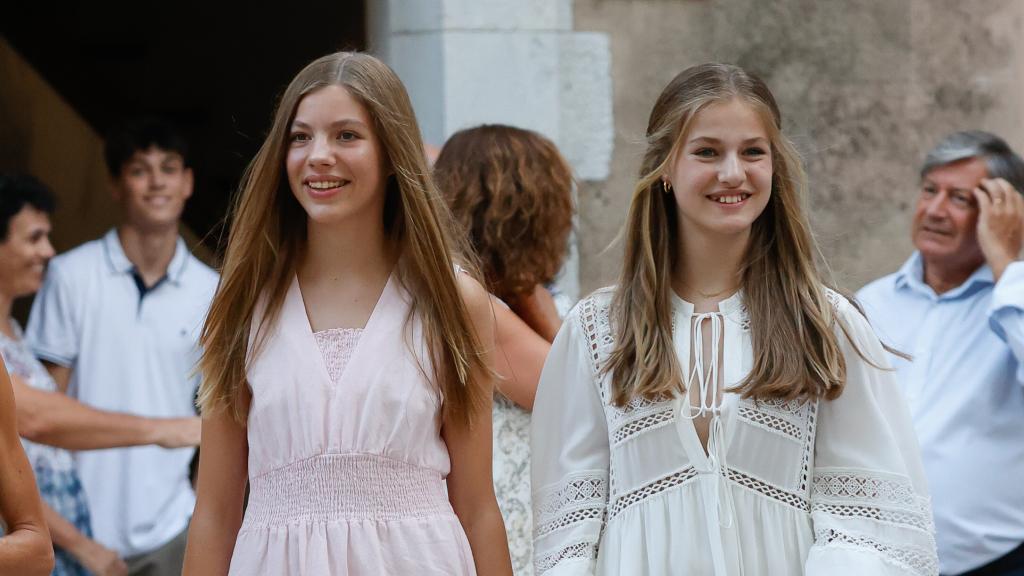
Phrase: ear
x=116 y=188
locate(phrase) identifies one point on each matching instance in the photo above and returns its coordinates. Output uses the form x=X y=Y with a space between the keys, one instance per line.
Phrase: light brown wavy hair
x=268 y=237
x=796 y=351
x=511 y=192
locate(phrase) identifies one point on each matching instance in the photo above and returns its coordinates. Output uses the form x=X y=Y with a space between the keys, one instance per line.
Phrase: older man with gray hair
x=957 y=307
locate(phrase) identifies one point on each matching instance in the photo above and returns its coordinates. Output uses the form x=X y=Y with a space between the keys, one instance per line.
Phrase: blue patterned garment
x=54 y=468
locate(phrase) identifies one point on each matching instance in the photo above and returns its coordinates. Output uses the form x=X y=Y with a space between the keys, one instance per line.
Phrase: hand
x=179 y=432
x=539 y=312
x=101 y=561
x=1000 y=223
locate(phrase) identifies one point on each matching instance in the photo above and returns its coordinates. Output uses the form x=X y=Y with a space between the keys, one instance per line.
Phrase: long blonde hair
x=268 y=236
x=796 y=351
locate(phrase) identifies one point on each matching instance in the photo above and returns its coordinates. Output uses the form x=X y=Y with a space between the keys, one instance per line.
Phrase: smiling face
x=721 y=174
x=946 y=215
x=25 y=252
x=335 y=161
x=152 y=188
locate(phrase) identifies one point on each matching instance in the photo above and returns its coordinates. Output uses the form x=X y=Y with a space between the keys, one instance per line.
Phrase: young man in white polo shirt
x=118 y=321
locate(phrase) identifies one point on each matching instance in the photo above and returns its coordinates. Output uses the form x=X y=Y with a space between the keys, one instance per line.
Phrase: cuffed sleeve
x=869 y=498
x=53 y=326
x=569 y=462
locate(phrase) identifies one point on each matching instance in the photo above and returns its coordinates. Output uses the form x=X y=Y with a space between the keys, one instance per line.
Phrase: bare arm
x=470 y=483
x=91 y=554
x=55 y=419
x=223 y=471
x=539 y=312
x=60 y=374
x=26 y=550
x=519 y=357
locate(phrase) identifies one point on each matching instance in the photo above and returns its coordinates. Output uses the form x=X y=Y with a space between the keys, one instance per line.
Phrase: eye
x=347 y=136
x=928 y=190
x=298 y=137
x=755 y=151
x=170 y=169
x=705 y=152
x=961 y=199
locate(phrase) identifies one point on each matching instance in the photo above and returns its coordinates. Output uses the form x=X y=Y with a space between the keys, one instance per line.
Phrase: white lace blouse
x=825 y=487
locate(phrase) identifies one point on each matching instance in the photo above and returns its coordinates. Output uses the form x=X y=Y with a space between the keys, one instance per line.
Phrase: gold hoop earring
x=666 y=186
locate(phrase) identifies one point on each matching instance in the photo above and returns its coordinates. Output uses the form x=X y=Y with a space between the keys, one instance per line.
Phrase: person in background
x=25 y=550
x=117 y=321
x=511 y=192
x=50 y=422
x=957 y=308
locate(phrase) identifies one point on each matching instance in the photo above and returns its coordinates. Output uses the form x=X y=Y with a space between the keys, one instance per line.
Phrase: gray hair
x=1000 y=159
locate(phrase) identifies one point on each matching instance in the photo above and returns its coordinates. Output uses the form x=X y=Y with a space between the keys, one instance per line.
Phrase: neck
x=357 y=249
x=707 y=270
x=151 y=251
x=943 y=277
x=6 y=303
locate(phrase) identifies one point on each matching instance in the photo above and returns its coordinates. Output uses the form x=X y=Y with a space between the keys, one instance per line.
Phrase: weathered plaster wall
x=865 y=88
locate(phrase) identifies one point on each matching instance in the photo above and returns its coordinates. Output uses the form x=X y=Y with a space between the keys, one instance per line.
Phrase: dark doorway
x=214 y=69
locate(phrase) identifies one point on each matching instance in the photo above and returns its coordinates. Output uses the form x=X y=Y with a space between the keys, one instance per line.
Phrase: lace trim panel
x=649 y=422
x=774 y=492
x=579 y=498
x=914 y=559
x=581 y=550
x=853 y=494
x=648 y=490
x=843 y=486
x=804 y=479
x=772 y=423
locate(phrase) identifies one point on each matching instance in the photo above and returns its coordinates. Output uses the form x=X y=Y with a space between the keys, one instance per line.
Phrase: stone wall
x=865 y=89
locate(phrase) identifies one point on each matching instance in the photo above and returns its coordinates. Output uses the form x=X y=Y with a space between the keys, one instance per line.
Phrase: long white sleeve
x=569 y=457
x=869 y=501
x=1006 y=316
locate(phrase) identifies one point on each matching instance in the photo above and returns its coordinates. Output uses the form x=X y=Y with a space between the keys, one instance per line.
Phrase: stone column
x=518 y=62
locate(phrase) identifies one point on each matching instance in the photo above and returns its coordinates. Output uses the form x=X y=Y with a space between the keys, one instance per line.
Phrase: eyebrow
x=335 y=124
x=711 y=140
x=927 y=182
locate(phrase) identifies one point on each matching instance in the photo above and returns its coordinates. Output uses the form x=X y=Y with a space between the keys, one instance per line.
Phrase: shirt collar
x=120 y=263
x=911 y=277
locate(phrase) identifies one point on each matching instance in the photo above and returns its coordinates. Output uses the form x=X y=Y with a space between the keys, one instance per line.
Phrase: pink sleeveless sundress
x=347 y=466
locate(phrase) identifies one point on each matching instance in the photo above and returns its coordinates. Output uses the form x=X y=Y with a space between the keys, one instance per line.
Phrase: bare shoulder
x=477 y=299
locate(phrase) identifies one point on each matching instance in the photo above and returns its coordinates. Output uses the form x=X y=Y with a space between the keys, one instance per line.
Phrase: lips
x=730 y=198
x=324 y=185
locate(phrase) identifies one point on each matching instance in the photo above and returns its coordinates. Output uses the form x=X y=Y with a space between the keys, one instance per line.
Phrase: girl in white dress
x=721 y=411
x=347 y=365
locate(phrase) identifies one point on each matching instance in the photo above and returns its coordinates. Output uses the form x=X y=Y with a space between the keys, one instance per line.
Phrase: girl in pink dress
x=347 y=369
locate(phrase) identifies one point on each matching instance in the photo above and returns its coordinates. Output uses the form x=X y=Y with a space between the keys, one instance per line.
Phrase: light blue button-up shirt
x=965 y=388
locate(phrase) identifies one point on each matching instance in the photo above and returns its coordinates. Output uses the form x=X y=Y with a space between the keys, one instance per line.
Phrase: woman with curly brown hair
x=511 y=191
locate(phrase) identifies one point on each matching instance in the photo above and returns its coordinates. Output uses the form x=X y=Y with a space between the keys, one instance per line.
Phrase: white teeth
x=732 y=199
x=324 y=185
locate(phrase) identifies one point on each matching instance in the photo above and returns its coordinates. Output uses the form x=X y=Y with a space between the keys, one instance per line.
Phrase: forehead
x=729 y=119
x=154 y=155
x=330 y=104
x=29 y=218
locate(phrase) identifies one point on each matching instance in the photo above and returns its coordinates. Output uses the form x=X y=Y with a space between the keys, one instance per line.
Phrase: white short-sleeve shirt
x=134 y=353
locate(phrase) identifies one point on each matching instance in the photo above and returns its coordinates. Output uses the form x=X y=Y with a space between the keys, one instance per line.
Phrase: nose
x=935 y=207
x=320 y=152
x=730 y=171
x=46 y=249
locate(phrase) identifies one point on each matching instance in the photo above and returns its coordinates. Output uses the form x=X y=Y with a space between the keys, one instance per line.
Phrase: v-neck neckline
x=310 y=335
x=698 y=452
